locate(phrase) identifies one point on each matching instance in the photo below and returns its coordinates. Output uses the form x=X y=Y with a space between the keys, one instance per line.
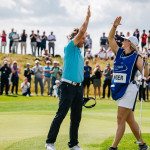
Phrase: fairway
x=25 y=121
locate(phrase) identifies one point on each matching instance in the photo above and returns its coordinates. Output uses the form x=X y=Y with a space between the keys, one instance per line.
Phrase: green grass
x=25 y=121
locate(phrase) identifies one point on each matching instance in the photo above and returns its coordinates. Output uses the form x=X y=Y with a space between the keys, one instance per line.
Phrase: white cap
x=55 y=62
x=5 y=62
x=132 y=39
x=36 y=61
x=47 y=61
x=57 y=81
x=14 y=62
x=27 y=63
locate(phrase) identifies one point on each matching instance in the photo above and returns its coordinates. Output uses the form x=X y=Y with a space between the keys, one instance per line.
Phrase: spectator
x=5 y=72
x=25 y=87
x=3 y=41
x=23 y=42
x=38 y=70
x=86 y=81
x=59 y=74
x=15 y=38
x=109 y=54
x=55 y=87
x=139 y=50
x=33 y=38
x=137 y=34
x=104 y=41
x=38 y=41
x=88 y=44
x=146 y=52
x=149 y=39
x=107 y=80
x=54 y=71
x=117 y=38
x=47 y=76
x=128 y=34
x=97 y=80
x=147 y=87
x=15 y=77
x=102 y=54
x=143 y=39
x=46 y=56
x=121 y=38
x=28 y=73
x=141 y=89
x=88 y=54
x=11 y=40
x=51 y=38
x=43 y=41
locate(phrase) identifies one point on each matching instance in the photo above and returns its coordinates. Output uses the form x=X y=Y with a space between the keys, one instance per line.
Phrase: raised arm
x=111 y=36
x=83 y=28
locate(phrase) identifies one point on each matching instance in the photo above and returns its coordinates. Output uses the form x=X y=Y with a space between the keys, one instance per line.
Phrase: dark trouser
x=36 y=85
x=38 y=47
x=26 y=93
x=15 y=84
x=51 y=45
x=147 y=92
x=4 y=82
x=70 y=96
x=10 y=45
x=43 y=47
x=141 y=93
x=52 y=84
x=106 y=83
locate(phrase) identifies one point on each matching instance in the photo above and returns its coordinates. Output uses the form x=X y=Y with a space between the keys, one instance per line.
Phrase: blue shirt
x=87 y=73
x=73 y=66
x=43 y=42
x=47 y=74
x=10 y=34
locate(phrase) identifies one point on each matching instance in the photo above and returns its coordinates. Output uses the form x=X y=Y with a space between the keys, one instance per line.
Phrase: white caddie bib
x=119 y=77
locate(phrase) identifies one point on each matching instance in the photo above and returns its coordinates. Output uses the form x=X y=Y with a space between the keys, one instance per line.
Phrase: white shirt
x=102 y=54
x=109 y=53
x=38 y=39
x=51 y=37
x=88 y=55
x=25 y=87
x=14 y=36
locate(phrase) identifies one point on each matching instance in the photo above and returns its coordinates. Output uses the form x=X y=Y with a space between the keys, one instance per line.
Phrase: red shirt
x=144 y=37
x=3 y=37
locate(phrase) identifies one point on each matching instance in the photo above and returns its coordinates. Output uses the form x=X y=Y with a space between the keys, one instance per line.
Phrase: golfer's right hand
x=88 y=12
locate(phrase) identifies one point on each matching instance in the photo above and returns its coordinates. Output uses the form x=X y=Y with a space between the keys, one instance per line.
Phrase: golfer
x=71 y=89
x=124 y=88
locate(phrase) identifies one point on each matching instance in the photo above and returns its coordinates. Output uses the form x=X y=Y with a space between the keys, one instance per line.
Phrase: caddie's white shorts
x=129 y=97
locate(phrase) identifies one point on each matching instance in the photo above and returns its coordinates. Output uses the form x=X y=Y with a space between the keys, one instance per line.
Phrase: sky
x=61 y=16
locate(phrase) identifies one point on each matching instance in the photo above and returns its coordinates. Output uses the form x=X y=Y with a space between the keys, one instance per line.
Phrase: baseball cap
x=36 y=61
x=55 y=62
x=14 y=62
x=27 y=63
x=133 y=40
x=5 y=62
x=108 y=64
x=57 y=81
x=47 y=61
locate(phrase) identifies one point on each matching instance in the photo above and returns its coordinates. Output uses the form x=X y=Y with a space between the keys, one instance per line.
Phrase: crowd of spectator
x=37 y=41
x=51 y=73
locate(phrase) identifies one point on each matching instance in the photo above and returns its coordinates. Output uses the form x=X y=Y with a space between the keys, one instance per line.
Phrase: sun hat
x=36 y=61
